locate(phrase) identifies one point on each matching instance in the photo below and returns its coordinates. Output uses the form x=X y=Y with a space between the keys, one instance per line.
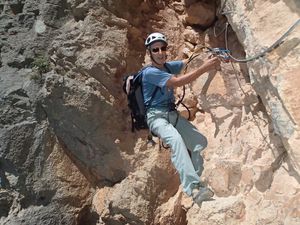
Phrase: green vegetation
x=40 y=65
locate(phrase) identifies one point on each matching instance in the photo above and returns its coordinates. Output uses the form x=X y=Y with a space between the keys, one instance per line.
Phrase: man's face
x=158 y=51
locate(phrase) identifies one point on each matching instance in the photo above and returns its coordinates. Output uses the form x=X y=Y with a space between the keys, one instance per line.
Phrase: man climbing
x=165 y=122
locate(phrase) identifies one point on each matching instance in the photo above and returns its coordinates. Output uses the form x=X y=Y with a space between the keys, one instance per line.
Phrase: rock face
x=67 y=155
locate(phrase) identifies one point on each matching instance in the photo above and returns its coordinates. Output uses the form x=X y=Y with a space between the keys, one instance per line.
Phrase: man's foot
x=202 y=194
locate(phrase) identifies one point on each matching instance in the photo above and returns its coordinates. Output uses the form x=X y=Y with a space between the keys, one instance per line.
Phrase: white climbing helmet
x=155 y=37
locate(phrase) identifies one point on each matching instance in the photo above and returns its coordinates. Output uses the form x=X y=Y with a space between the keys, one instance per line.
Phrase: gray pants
x=182 y=138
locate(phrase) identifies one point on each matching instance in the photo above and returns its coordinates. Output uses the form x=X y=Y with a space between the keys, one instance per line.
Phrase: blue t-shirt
x=154 y=77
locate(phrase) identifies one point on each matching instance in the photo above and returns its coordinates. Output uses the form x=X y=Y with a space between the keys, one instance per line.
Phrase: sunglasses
x=156 y=50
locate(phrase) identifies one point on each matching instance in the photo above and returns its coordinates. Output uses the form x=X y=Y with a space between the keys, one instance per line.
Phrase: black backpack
x=133 y=88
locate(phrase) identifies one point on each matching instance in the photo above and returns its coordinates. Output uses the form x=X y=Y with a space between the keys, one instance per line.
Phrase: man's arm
x=207 y=65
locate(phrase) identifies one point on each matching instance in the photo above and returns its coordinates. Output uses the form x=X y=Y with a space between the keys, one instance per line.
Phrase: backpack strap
x=154 y=92
x=139 y=77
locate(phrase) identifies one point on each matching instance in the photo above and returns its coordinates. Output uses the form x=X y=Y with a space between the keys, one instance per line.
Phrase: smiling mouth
x=161 y=57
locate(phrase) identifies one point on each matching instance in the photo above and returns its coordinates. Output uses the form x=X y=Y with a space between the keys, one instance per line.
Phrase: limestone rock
x=229 y=211
x=265 y=76
x=200 y=13
x=133 y=200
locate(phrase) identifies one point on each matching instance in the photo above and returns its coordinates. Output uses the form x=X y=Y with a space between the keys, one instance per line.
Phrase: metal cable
x=269 y=49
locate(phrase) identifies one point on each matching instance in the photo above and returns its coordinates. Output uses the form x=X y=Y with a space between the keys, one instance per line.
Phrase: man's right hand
x=213 y=62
